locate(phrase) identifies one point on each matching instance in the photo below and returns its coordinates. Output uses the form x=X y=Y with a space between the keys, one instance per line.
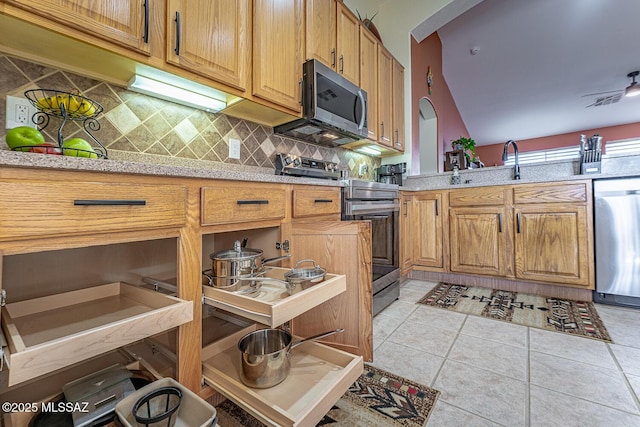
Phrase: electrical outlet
x=19 y=112
x=234 y=148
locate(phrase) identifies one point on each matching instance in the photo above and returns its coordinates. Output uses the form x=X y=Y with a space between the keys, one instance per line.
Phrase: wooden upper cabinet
x=348 y=42
x=321 y=31
x=212 y=38
x=427 y=229
x=551 y=244
x=398 y=106
x=369 y=78
x=125 y=22
x=278 y=34
x=385 y=100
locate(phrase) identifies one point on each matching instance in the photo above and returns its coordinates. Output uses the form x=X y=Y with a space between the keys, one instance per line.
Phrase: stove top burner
x=292 y=165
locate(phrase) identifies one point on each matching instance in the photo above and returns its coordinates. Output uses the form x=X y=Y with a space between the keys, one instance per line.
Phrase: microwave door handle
x=364 y=110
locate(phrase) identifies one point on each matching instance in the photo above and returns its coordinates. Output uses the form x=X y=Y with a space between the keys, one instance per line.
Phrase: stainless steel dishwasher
x=617 y=241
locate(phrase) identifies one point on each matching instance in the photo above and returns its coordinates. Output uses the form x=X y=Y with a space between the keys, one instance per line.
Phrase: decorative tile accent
x=138 y=123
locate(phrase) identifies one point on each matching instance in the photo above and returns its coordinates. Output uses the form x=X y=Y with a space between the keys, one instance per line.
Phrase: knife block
x=590 y=161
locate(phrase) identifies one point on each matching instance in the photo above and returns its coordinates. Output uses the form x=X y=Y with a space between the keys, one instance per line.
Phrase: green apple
x=22 y=137
x=78 y=147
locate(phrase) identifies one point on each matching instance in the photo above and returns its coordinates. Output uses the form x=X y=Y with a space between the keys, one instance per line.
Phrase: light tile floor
x=493 y=373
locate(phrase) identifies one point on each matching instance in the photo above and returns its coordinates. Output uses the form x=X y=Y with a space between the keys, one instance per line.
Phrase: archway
x=428 y=128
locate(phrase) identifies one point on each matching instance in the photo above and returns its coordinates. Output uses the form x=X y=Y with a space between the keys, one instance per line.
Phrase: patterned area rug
x=552 y=314
x=377 y=399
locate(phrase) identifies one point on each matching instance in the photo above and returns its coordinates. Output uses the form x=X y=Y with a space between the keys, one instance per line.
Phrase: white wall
x=396 y=19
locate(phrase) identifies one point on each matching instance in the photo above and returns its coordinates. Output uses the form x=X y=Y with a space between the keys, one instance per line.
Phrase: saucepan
x=265 y=356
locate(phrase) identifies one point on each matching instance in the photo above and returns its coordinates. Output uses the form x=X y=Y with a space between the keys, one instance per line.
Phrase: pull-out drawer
x=272 y=305
x=318 y=377
x=477 y=196
x=233 y=204
x=571 y=192
x=314 y=202
x=49 y=333
x=33 y=209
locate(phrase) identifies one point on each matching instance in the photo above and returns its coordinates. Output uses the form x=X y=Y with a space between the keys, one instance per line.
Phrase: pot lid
x=237 y=253
x=305 y=273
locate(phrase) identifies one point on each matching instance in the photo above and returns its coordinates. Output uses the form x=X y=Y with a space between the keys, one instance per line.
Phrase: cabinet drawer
x=33 y=209
x=477 y=196
x=49 y=333
x=318 y=377
x=308 y=203
x=550 y=193
x=273 y=305
x=231 y=204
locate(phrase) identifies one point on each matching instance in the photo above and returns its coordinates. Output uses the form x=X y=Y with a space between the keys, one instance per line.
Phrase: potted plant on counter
x=468 y=147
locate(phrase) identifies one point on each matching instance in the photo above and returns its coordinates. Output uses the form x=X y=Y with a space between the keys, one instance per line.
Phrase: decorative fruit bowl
x=63 y=104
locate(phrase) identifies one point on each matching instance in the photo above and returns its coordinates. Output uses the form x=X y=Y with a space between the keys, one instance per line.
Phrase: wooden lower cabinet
x=479 y=241
x=426 y=227
x=406 y=232
x=341 y=248
x=551 y=244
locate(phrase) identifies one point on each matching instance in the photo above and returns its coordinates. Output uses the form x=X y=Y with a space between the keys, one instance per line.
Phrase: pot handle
x=315 y=337
x=306 y=260
x=278 y=258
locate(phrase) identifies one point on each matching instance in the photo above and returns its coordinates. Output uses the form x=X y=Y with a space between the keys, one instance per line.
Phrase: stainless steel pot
x=296 y=279
x=265 y=355
x=243 y=284
x=230 y=265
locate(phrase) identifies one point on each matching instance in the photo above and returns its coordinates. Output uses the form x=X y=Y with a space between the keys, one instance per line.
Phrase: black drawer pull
x=518 y=222
x=499 y=223
x=252 y=202
x=109 y=202
x=437 y=211
x=178 y=33
x=323 y=201
x=145 y=36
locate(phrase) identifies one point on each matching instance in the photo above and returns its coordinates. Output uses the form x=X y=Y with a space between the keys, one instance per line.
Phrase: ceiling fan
x=632 y=90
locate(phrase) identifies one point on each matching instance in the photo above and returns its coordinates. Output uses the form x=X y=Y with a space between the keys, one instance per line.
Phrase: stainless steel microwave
x=334 y=109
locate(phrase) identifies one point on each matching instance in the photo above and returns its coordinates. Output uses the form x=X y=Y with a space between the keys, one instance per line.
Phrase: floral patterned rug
x=552 y=314
x=377 y=399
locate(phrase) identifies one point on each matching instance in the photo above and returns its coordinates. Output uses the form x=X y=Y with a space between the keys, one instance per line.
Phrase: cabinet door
x=348 y=40
x=406 y=232
x=369 y=78
x=278 y=34
x=479 y=240
x=125 y=22
x=214 y=39
x=427 y=229
x=385 y=67
x=321 y=31
x=552 y=244
x=342 y=248
x=398 y=106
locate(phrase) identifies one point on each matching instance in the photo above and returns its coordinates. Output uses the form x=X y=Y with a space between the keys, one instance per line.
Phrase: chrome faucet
x=516 y=167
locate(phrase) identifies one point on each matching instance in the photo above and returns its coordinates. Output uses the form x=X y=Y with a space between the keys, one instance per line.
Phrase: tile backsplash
x=136 y=123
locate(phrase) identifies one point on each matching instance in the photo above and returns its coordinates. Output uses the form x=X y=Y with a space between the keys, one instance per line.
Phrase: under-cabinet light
x=369 y=149
x=175 y=94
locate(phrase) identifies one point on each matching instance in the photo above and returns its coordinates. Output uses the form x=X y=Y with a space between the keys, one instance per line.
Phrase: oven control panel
x=289 y=164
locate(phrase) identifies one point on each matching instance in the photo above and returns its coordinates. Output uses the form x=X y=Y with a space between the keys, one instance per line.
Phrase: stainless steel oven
x=377 y=202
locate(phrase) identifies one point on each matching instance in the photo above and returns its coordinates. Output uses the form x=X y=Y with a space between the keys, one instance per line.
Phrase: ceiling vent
x=606 y=100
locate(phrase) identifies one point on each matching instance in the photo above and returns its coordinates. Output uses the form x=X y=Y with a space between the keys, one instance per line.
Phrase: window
x=623 y=146
x=542 y=156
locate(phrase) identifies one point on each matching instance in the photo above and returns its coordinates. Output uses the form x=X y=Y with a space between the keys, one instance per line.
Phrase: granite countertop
x=611 y=167
x=148 y=164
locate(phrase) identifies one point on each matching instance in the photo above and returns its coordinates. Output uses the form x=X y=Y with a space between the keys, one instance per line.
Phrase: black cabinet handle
x=341 y=64
x=518 y=222
x=109 y=202
x=252 y=202
x=382 y=129
x=333 y=58
x=145 y=36
x=437 y=213
x=301 y=91
x=178 y=33
x=499 y=223
x=323 y=201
